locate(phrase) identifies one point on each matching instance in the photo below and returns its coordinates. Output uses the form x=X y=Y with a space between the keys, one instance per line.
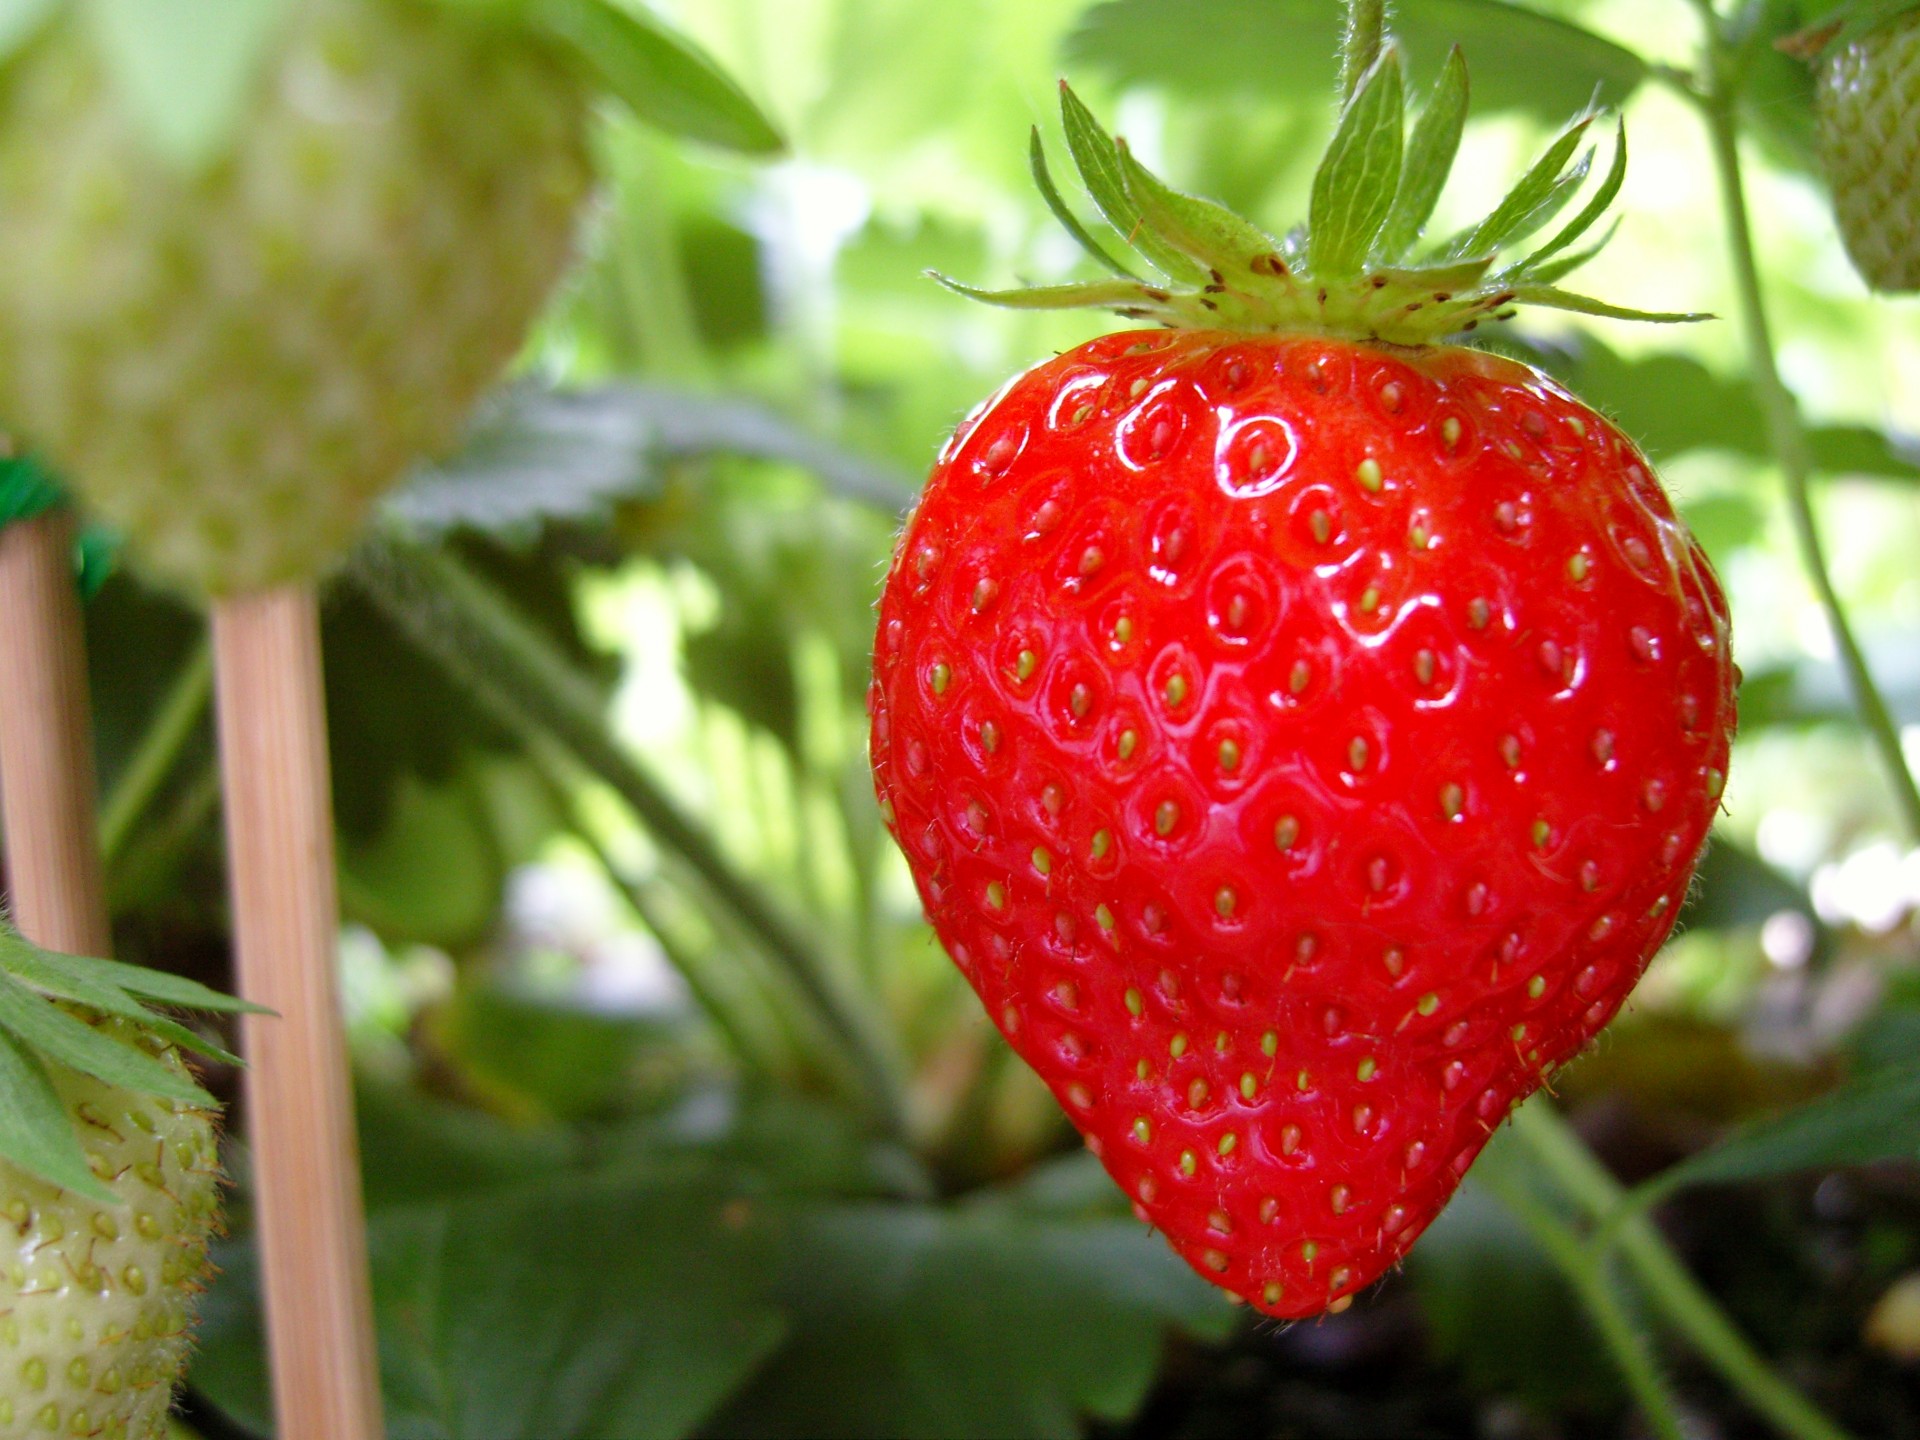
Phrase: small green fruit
x=1868 y=108
x=233 y=363
x=96 y=1301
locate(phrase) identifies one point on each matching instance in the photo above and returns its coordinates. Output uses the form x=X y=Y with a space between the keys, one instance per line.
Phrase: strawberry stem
x=1667 y=1283
x=1585 y=1269
x=1718 y=104
x=516 y=676
x=153 y=760
x=1360 y=45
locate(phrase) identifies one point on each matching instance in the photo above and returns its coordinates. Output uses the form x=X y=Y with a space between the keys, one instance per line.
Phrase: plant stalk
x=159 y=750
x=1586 y=1273
x=1365 y=33
x=47 y=793
x=1785 y=430
x=743 y=1020
x=515 y=674
x=306 y=1169
x=1673 y=1291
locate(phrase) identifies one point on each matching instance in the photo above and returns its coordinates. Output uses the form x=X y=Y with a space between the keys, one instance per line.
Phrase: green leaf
x=1522 y=59
x=1532 y=200
x=1429 y=157
x=19 y=19
x=27 y=489
x=1098 y=160
x=582 y=1308
x=433 y=875
x=39 y=1022
x=1671 y=404
x=1735 y=887
x=35 y=1133
x=658 y=74
x=535 y=456
x=1873 y=1118
x=1775 y=90
x=1049 y=192
x=72 y=977
x=1354 y=188
x=185 y=69
x=987 y=1319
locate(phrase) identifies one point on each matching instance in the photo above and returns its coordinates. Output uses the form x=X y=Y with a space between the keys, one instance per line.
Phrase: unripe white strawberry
x=96 y=1300
x=232 y=362
x=1868 y=108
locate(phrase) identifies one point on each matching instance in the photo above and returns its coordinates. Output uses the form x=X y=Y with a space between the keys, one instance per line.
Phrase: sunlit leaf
x=185 y=68
x=657 y=73
x=1592 y=210
x=19 y=19
x=1522 y=59
x=1554 y=298
x=1210 y=234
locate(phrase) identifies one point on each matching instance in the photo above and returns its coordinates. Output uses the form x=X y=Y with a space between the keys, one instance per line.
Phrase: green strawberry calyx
x=1361 y=267
x=97 y=1017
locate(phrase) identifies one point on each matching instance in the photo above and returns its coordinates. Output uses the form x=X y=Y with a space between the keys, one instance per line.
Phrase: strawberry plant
x=674 y=1116
x=1302 y=730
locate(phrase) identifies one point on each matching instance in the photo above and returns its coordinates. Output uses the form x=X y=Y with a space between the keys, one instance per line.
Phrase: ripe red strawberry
x=1300 y=742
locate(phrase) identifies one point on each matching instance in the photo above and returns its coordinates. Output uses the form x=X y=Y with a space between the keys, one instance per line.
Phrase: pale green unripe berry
x=96 y=1301
x=232 y=364
x=1868 y=106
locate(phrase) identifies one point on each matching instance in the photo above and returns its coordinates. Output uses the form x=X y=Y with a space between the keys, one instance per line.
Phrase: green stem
x=1677 y=1295
x=159 y=750
x=518 y=676
x=155 y=852
x=1360 y=45
x=743 y=1021
x=1586 y=1273
x=1785 y=430
x=656 y=300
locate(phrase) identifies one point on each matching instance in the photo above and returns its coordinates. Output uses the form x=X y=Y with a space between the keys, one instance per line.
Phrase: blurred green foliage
x=619 y=1184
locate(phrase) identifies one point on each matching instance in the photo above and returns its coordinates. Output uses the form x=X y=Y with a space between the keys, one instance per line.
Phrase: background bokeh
x=676 y=1120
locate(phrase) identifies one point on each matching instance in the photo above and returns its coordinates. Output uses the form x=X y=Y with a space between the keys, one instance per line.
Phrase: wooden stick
x=312 y=1235
x=47 y=793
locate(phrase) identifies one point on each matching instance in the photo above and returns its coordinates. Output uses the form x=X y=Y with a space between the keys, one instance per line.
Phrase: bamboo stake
x=312 y=1234
x=46 y=743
